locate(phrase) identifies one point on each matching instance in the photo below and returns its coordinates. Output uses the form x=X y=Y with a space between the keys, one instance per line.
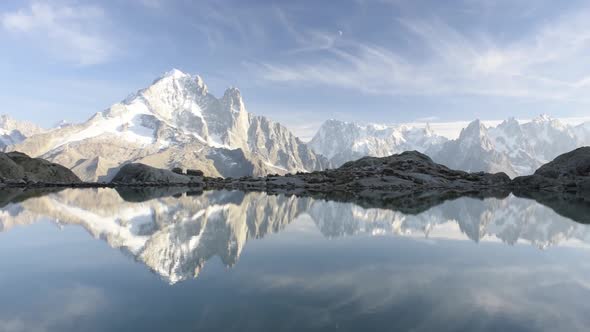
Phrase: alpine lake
x=177 y=260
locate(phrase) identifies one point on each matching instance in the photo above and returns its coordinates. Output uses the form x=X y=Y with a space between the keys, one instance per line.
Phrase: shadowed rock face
x=18 y=166
x=572 y=164
x=570 y=172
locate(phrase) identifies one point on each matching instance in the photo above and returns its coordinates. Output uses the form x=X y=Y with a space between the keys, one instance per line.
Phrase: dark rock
x=570 y=172
x=194 y=172
x=575 y=163
x=18 y=166
x=137 y=173
x=178 y=170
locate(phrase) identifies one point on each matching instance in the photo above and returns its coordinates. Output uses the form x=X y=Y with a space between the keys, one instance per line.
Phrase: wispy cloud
x=71 y=33
x=547 y=63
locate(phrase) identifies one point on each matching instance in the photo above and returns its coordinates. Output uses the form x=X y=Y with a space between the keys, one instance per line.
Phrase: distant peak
x=475 y=128
x=332 y=122
x=510 y=122
x=174 y=73
x=4 y=118
x=232 y=90
x=200 y=82
x=543 y=118
x=61 y=124
x=475 y=124
x=233 y=97
x=233 y=94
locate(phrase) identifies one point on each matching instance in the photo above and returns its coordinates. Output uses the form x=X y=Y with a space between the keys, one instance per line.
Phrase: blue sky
x=301 y=62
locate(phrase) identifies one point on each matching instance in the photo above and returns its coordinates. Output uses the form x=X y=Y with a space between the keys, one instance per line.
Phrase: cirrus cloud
x=546 y=63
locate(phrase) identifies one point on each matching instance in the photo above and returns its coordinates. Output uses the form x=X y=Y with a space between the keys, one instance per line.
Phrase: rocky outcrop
x=570 y=172
x=137 y=173
x=18 y=168
x=408 y=171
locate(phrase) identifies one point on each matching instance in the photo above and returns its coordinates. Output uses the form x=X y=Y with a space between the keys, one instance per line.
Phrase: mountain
x=175 y=122
x=513 y=147
x=473 y=151
x=344 y=141
x=14 y=131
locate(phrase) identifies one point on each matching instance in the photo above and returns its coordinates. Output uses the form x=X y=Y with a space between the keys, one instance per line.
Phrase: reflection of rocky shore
x=175 y=233
x=572 y=205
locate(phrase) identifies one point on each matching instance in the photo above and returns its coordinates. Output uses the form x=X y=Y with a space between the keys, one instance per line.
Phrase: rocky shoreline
x=394 y=176
x=408 y=171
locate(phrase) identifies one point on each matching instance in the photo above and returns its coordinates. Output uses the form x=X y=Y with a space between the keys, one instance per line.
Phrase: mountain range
x=513 y=147
x=177 y=122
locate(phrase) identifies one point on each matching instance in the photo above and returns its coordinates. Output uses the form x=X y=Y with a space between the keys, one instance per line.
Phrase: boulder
x=569 y=172
x=194 y=172
x=136 y=173
x=575 y=163
x=17 y=166
x=178 y=170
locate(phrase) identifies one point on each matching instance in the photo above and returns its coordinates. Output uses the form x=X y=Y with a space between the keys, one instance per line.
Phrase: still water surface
x=98 y=260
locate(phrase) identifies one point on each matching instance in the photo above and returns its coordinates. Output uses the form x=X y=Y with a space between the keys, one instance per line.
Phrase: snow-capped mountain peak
x=474 y=150
x=233 y=98
x=176 y=122
x=476 y=134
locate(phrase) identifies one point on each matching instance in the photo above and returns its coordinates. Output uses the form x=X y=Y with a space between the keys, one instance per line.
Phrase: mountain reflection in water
x=174 y=233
